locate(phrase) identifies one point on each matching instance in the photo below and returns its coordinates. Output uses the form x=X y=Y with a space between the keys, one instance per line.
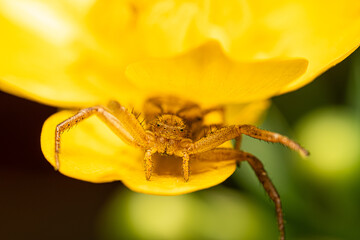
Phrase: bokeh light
x=220 y=213
x=333 y=136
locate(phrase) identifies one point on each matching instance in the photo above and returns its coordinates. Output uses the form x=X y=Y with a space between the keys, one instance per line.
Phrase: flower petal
x=171 y=27
x=49 y=57
x=206 y=75
x=323 y=32
x=167 y=178
x=237 y=114
x=91 y=152
x=250 y=113
x=34 y=66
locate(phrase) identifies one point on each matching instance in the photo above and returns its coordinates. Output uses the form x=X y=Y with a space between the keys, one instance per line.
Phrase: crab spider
x=175 y=127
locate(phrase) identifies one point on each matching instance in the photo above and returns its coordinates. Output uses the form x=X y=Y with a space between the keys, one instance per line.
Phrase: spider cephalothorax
x=169 y=126
x=175 y=127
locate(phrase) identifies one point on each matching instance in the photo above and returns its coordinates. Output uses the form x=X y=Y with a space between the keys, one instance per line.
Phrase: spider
x=175 y=127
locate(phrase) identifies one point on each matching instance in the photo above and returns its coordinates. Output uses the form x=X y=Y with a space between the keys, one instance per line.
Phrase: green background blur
x=320 y=194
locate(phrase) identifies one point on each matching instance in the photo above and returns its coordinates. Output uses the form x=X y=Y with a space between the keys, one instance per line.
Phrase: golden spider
x=175 y=127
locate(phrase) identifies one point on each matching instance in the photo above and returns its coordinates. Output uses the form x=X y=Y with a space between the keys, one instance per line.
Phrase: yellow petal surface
x=237 y=114
x=323 y=32
x=49 y=57
x=68 y=53
x=91 y=152
x=167 y=178
x=250 y=113
x=173 y=26
x=206 y=75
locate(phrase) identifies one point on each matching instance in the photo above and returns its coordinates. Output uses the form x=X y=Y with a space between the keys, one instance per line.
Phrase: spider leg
x=221 y=109
x=148 y=163
x=185 y=166
x=129 y=122
x=227 y=133
x=268 y=136
x=124 y=125
x=225 y=154
x=269 y=187
x=237 y=146
x=238 y=140
x=206 y=130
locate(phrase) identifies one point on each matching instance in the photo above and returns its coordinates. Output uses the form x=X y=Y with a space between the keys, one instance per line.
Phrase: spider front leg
x=185 y=166
x=224 y=154
x=148 y=163
x=227 y=133
x=124 y=125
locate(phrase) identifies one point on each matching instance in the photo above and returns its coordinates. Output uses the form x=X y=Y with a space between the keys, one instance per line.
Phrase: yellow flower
x=82 y=53
x=323 y=32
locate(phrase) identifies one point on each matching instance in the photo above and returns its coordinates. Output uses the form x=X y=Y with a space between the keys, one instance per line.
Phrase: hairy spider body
x=172 y=124
x=174 y=127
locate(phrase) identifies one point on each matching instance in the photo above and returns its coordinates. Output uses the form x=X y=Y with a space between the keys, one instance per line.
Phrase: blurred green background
x=320 y=194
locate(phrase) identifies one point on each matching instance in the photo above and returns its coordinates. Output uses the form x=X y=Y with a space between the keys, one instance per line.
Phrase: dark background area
x=36 y=202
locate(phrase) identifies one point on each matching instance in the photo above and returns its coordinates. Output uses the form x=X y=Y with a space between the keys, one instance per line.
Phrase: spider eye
x=158 y=125
x=181 y=130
